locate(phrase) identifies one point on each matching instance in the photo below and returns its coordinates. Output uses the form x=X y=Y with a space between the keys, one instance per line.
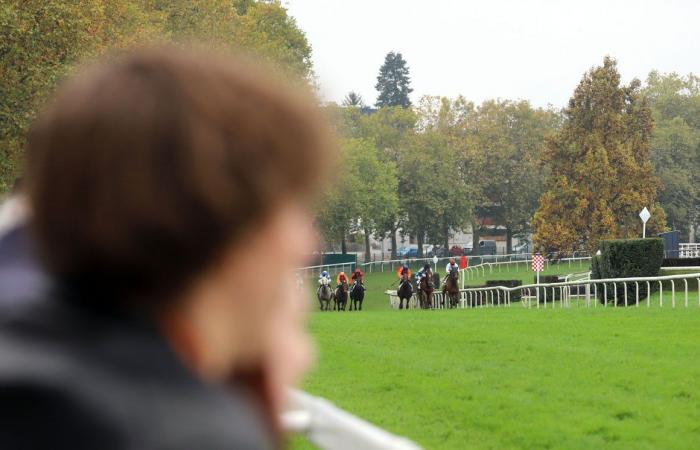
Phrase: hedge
x=681 y=262
x=553 y=293
x=627 y=258
x=515 y=295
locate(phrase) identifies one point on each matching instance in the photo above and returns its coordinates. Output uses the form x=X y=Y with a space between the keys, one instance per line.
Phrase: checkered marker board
x=537 y=263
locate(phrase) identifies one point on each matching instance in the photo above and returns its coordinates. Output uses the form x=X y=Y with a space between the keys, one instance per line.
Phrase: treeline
x=572 y=176
x=41 y=41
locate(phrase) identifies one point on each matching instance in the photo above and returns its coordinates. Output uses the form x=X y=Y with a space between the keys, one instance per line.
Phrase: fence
x=331 y=428
x=392 y=265
x=689 y=250
x=480 y=269
x=593 y=292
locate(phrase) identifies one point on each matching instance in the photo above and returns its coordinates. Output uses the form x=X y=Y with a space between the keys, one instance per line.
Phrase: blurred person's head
x=160 y=180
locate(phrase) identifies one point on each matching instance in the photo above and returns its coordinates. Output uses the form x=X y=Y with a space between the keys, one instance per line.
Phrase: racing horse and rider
x=341 y=292
x=357 y=291
x=405 y=290
x=426 y=286
x=324 y=292
x=450 y=284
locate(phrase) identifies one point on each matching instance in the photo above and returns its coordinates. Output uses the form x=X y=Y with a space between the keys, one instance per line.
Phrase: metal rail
x=331 y=428
x=625 y=292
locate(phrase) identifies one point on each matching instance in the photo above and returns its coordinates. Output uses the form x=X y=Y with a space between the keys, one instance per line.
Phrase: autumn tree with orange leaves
x=601 y=171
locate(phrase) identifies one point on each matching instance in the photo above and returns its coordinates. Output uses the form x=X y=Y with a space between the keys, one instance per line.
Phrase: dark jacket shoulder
x=72 y=378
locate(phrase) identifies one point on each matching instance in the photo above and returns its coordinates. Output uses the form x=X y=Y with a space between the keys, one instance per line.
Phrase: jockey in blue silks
x=324 y=279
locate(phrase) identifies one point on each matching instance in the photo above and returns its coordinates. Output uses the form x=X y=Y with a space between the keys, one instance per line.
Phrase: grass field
x=512 y=377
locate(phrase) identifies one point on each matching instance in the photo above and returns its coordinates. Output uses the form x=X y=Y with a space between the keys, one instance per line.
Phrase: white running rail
x=689 y=250
x=331 y=428
x=612 y=291
x=487 y=262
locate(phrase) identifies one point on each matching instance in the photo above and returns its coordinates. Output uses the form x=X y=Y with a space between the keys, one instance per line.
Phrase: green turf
x=516 y=378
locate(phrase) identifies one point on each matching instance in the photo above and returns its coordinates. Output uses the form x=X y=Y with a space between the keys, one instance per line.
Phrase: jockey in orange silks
x=358 y=275
x=404 y=273
x=342 y=277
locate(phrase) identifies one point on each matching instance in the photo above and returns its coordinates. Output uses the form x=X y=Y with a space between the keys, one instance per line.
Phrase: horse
x=450 y=289
x=325 y=295
x=426 y=289
x=405 y=291
x=357 y=294
x=341 y=296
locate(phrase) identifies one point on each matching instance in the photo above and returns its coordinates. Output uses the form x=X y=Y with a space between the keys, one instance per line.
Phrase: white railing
x=331 y=428
x=689 y=250
x=487 y=262
x=480 y=270
x=625 y=292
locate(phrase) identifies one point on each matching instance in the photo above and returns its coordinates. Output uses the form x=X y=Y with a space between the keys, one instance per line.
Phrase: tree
x=434 y=197
x=394 y=82
x=375 y=188
x=511 y=137
x=601 y=170
x=392 y=130
x=353 y=100
x=675 y=146
x=455 y=203
x=338 y=207
x=42 y=41
x=269 y=31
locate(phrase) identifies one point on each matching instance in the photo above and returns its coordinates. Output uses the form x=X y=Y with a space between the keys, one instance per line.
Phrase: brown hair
x=146 y=167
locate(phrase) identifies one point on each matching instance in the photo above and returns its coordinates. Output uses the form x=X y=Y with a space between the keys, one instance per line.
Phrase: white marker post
x=435 y=261
x=644 y=215
x=538 y=266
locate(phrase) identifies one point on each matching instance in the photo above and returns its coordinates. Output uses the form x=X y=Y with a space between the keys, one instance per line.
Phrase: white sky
x=528 y=49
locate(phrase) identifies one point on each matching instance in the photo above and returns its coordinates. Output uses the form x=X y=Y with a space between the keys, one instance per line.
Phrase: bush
x=681 y=262
x=626 y=259
x=515 y=295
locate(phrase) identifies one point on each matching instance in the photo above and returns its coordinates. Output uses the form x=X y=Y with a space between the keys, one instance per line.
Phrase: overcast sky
x=515 y=49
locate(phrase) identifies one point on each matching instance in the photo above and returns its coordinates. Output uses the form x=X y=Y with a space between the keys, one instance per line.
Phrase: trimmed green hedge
x=515 y=295
x=681 y=262
x=626 y=258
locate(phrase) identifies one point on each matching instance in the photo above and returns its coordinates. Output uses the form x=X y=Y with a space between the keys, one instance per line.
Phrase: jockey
x=452 y=265
x=424 y=272
x=358 y=275
x=404 y=273
x=341 y=278
x=324 y=279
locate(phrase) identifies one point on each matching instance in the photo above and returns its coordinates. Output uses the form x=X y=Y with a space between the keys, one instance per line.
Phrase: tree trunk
x=419 y=241
x=509 y=241
x=368 y=250
x=691 y=233
x=446 y=243
x=476 y=237
x=393 y=243
x=343 y=245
